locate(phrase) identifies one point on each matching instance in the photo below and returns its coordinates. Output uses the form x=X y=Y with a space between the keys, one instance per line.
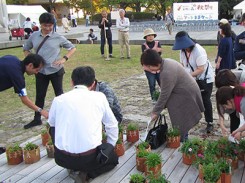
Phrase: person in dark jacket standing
x=105 y=26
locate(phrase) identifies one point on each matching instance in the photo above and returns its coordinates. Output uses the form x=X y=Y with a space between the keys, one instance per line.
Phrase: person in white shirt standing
x=65 y=23
x=76 y=119
x=123 y=24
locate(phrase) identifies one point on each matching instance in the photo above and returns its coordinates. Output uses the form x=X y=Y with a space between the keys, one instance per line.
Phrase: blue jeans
x=152 y=78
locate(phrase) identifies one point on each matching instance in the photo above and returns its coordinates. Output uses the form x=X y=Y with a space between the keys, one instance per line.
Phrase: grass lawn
x=108 y=71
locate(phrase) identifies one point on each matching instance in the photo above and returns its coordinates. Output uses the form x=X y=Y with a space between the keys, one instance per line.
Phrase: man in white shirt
x=123 y=24
x=76 y=119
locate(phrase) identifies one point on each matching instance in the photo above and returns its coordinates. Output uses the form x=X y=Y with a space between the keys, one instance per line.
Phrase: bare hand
x=217 y=65
x=154 y=116
x=44 y=113
x=59 y=62
x=237 y=135
x=224 y=131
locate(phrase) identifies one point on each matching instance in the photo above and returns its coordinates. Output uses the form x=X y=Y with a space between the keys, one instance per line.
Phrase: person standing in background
x=87 y=19
x=53 y=69
x=123 y=24
x=169 y=19
x=65 y=23
x=53 y=12
x=73 y=20
x=105 y=26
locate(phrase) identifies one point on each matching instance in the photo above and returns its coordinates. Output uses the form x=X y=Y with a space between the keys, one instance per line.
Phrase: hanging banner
x=195 y=11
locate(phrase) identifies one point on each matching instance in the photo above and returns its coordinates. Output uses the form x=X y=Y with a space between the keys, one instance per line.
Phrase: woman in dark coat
x=180 y=93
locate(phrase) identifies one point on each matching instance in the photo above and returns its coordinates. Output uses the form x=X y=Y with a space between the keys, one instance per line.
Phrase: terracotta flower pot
x=173 y=142
x=225 y=178
x=188 y=159
x=133 y=136
x=154 y=170
x=50 y=150
x=31 y=156
x=241 y=156
x=200 y=175
x=45 y=138
x=219 y=181
x=119 y=149
x=140 y=164
x=14 y=158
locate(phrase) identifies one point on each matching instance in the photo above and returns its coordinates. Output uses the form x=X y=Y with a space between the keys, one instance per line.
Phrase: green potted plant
x=143 y=146
x=45 y=136
x=161 y=178
x=155 y=95
x=225 y=168
x=189 y=151
x=120 y=130
x=173 y=137
x=14 y=154
x=211 y=147
x=140 y=159
x=104 y=137
x=50 y=149
x=132 y=132
x=137 y=178
x=153 y=164
x=241 y=149
x=119 y=148
x=31 y=153
x=211 y=173
x=222 y=143
x=230 y=151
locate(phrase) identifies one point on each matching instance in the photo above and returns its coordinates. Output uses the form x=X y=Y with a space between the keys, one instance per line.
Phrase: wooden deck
x=46 y=169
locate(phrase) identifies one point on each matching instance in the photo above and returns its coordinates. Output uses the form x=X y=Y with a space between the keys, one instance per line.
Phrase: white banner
x=195 y=11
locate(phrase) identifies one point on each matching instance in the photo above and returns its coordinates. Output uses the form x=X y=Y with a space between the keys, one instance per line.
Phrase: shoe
x=2 y=150
x=209 y=128
x=128 y=57
x=102 y=56
x=111 y=56
x=122 y=58
x=33 y=123
x=79 y=177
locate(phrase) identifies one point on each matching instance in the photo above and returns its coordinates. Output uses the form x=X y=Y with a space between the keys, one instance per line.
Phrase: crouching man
x=76 y=119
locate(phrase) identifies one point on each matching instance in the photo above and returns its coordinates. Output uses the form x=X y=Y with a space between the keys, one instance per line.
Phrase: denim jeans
x=42 y=82
x=102 y=45
x=152 y=78
x=206 y=98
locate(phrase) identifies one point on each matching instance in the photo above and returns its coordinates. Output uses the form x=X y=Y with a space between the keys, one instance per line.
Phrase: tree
x=17 y=2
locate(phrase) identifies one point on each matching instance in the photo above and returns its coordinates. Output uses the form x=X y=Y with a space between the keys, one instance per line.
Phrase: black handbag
x=158 y=134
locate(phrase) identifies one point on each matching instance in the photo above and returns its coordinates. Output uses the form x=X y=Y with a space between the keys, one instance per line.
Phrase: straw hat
x=149 y=31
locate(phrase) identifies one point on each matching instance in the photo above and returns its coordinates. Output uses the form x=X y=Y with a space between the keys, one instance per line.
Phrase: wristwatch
x=39 y=110
x=65 y=57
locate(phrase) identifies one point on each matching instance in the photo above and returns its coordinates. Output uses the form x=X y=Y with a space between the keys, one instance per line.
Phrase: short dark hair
x=225 y=77
x=226 y=29
x=92 y=30
x=150 y=57
x=83 y=75
x=46 y=18
x=35 y=59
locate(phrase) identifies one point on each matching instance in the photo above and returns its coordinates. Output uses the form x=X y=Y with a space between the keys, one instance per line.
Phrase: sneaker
x=33 y=123
x=209 y=128
x=111 y=56
x=128 y=57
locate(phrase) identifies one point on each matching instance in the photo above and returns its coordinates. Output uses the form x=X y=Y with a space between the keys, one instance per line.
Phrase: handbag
x=158 y=134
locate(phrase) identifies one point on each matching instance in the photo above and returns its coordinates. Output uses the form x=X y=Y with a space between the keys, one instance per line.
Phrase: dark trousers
x=42 y=82
x=86 y=163
x=234 y=121
x=28 y=31
x=74 y=23
x=206 y=98
x=102 y=45
x=152 y=78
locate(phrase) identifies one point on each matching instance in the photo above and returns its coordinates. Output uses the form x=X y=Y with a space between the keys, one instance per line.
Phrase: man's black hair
x=46 y=18
x=150 y=57
x=84 y=75
x=35 y=59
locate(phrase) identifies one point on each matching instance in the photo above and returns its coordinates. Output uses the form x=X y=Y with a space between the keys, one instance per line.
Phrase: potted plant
x=45 y=136
x=225 y=168
x=241 y=149
x=119 y=148
x=189 y=151
x=31 y=153
x=211 y=173
x=132 y=132
x=155 y=95
x=137 y=178
x=120 y=130
x=159 y=179
x=143 y=146
x=222 y=143
x=50 y=149
x=14 y=154
x=140 y=159
x=230 y=151
x=153 y=164
x=173 y=138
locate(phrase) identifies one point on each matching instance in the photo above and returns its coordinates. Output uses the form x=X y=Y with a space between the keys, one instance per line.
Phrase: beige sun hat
x=223 y=21
x=149 y=31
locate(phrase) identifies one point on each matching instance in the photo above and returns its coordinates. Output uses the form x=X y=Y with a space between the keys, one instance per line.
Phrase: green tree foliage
x=17 y=2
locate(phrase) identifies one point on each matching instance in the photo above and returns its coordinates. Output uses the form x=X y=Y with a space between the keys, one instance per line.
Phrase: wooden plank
x=237 y=174
x=191 y=175
x=59 y=177
x=51 y=173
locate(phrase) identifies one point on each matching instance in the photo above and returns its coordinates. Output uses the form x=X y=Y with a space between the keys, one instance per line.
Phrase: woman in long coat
x=180 y=93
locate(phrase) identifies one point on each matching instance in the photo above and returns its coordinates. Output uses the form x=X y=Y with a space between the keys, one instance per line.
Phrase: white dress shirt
x=123 y=24
x=77 y=117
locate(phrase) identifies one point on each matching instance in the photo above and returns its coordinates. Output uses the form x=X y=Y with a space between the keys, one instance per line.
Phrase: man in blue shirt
x=12 y=75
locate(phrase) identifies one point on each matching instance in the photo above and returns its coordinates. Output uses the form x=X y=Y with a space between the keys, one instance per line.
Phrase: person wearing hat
x=179 y=92
x=224 y=21
x=169 y=19
x=152 y=76
x=239 y=47
x=195 y=61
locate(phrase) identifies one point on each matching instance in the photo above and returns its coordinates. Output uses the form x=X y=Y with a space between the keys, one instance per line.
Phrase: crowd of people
x=91 y=105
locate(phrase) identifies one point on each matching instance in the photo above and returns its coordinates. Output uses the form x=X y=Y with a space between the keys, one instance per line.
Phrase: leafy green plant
x=173 y=132
x=153 y=159
x=104 y=137
x=211 y=172
x=189 y=147
x=241 y=145
x=44 y=131
x=205 y=159
x=50 y=142
x=137 y=178
x=155 y=95
x=120 y=128
x=211 y=147
x=119 y=141
x=47 y=125
x=30 y=146
x=14 y=148
x=142 y=153
x=132 y=127
x=143 y=145
x=224 y=166
x=157 y=179
x=230 y=150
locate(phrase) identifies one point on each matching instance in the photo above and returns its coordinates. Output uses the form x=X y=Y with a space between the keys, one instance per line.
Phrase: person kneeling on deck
x=76 y=129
